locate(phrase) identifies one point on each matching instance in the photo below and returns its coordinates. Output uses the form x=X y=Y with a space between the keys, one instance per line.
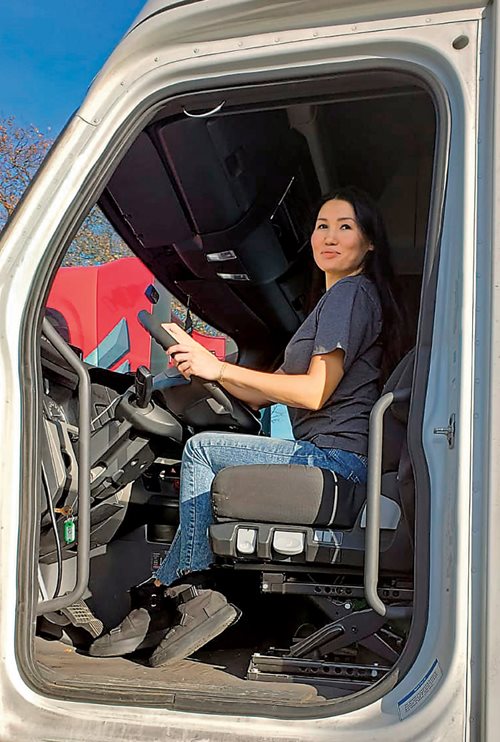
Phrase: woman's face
x=339 y=246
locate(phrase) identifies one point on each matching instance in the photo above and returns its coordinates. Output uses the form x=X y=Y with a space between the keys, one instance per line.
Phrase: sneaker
x=202 y=615
x=125 y=638
x=144 y=627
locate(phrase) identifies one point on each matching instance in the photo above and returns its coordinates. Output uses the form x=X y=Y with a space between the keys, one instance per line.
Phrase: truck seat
x=305 y=529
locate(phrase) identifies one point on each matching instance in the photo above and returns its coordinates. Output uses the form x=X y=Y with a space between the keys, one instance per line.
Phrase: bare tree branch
x=22 y=150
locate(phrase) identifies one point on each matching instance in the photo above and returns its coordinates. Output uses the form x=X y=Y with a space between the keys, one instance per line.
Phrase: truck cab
x=204 y=145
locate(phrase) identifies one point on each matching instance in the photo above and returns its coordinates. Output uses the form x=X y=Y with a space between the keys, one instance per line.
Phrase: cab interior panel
x=219 y=209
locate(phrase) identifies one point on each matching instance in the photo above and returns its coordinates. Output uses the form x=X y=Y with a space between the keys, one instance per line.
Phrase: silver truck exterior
x=177 y=47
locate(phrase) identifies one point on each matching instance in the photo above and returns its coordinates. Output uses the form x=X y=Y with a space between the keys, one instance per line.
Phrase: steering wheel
x=209 y=391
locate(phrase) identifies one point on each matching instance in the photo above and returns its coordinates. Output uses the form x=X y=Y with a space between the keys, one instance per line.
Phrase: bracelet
x=221 y=372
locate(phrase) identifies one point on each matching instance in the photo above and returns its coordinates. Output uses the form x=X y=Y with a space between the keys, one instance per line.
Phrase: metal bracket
x=449 y=432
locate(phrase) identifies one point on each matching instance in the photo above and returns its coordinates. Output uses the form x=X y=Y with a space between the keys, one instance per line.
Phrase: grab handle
x=84 y=417
x=373 y=495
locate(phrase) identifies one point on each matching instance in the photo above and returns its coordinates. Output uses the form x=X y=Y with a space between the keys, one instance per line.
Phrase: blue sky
x=51 y=50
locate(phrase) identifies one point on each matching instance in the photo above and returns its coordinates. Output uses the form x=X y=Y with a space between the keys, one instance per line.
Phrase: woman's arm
x=252 y=397
x=308 y=391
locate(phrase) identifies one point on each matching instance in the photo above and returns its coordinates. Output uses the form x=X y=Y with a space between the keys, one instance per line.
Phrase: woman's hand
x=195 y=360
x=190 y=357
x=179 y=334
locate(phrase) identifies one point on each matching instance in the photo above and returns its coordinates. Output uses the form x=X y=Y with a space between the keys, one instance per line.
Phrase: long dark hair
x=377 y=267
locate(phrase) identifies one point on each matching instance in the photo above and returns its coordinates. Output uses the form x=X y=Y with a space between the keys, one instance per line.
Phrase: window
x=97 y=294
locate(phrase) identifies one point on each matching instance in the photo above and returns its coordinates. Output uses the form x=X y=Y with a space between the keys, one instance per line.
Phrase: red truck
x=95 y=309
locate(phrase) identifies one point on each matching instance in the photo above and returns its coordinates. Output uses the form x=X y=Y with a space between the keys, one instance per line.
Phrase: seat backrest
x=396 y=418
x=396 y=458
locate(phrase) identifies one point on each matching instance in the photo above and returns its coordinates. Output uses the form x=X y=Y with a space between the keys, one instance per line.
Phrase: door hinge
x=449 y=432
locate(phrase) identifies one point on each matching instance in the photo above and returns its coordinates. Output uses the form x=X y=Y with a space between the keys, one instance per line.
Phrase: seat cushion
x=289 y=494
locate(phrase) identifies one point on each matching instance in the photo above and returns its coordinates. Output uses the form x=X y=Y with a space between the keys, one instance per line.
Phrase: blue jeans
x=205 y=454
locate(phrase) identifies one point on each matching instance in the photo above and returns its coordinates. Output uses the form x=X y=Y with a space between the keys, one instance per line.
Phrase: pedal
x=80 y=615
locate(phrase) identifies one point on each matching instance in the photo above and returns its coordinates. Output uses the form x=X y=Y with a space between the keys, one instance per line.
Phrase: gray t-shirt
x=347 y=316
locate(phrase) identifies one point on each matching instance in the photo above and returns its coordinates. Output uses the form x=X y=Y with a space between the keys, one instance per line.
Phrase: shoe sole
x=127 y=646
x=197 y=638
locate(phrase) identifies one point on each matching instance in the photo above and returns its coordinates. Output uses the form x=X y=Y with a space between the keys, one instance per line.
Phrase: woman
x=329 y=380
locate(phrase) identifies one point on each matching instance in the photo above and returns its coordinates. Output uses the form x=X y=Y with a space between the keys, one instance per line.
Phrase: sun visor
x=232 y=174
x=145 y=199
x=224 y=167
